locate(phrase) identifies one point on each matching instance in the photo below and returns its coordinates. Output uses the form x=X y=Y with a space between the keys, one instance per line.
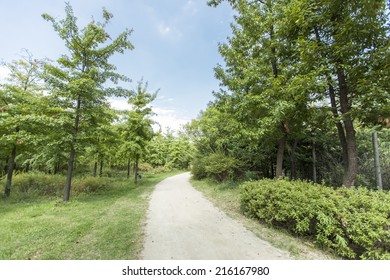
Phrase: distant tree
x=78 y=79
x=137 y=128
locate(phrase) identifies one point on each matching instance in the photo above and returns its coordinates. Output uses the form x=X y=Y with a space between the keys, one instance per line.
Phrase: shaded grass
x=103 y=225
x=226 y=196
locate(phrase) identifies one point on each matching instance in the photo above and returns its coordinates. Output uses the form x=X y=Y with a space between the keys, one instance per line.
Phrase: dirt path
x=182 y=224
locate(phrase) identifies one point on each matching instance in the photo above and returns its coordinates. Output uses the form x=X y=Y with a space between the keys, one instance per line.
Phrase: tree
x=285 y=55
x=78 y=79
x=138 y=129
x=22 y=112
x=344 y=59
x=274 y=96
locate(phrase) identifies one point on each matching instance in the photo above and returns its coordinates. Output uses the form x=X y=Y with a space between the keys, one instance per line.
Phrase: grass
x=226 y=196
x=103 y=225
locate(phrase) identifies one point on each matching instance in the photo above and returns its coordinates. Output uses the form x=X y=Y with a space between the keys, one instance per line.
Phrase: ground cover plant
x=354 y=222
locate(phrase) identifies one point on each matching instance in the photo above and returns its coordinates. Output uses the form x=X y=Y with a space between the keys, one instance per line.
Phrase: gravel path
x=183 y=225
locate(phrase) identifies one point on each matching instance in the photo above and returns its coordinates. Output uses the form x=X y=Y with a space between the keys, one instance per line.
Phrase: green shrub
x=198 y=168
x=216 y=166
x=40 y=184
x=145 y=167
x=160 y=169
x=31 y=185
x=353 y=222
x=89 y=185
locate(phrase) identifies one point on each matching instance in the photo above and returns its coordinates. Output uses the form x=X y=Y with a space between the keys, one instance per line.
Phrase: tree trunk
x=128 y=168
x=95 y=169
x=136 y=169
x=101 y=168
x=6 y=165
x=314 y=163
x=11 y=165
x=350 y=176
x=72 y=153
x=339 y=125
x=332 y=97
x=294 y=160
x=280 y=157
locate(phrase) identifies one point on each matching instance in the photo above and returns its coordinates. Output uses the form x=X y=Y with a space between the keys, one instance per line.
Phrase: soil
x=183 y=225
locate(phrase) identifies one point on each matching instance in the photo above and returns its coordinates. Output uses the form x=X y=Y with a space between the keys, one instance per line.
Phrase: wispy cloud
x=164 y=118
x=169 y=31
x=167 y=118
x=119 y=104
x=190 y=7
x=4 y=72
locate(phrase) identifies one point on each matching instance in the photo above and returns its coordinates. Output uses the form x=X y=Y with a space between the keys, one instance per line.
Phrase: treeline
x=304 y=84
x=55 y=116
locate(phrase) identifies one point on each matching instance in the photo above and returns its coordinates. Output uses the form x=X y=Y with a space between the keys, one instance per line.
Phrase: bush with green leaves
x=89 y=184
x=36 y=184
x=216 y=166
x=353 y=222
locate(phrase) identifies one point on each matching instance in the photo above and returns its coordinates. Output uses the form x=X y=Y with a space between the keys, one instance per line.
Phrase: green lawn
x=105 y=225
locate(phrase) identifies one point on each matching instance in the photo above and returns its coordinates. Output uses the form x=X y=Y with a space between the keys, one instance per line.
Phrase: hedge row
x=354 y=222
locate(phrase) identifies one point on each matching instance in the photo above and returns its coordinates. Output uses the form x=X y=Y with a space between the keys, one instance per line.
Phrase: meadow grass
x=226 y=196
x=103 y=225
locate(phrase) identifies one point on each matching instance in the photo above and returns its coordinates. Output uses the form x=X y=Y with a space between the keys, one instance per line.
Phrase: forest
x=56 y=119
x=303 y=86
x=304 y=95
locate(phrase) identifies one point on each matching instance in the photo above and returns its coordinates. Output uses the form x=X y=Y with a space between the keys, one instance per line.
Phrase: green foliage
x=353 y=222
x=78 y=80
x=295 y=73
x=145 y=167
x=90 y=185
x=37 y=184
x=216 y=166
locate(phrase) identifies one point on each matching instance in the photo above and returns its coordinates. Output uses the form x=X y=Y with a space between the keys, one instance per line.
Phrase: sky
x=176 y=45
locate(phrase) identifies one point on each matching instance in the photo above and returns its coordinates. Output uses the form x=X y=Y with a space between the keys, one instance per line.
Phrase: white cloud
x=169 y=31
x=190 y=7
x=165 y=118
x=4 y=72
x=164 y=29
x=119 y=104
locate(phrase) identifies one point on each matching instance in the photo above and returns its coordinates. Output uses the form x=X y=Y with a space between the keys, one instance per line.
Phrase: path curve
x=183 y=225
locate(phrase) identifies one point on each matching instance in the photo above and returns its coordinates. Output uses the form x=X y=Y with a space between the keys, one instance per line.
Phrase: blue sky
x=175 y=45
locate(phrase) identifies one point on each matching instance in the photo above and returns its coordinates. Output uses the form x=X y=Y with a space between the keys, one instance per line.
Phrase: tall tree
x=20 y=108
x=259 y=75
x=78 y=79
x=138 y=129
x=345 y=59
x=288 y=52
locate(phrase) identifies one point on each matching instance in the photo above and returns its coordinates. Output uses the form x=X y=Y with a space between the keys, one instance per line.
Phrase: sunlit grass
x=104 y=225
